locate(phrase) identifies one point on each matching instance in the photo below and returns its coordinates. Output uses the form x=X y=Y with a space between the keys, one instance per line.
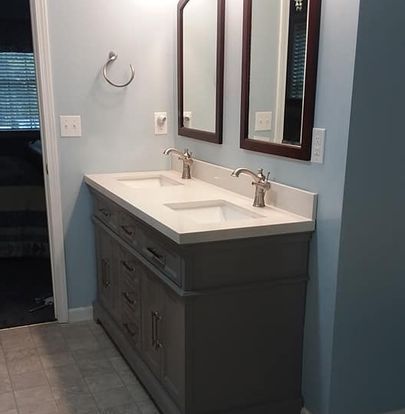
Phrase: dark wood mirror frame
x=303 y=151
x=214 y=137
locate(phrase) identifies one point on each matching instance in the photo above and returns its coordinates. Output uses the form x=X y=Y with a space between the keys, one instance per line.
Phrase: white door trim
x=42 y=51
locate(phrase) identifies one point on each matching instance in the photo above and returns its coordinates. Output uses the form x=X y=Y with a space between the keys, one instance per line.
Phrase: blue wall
x=333 y=103
x=368 y=374
x=117 y=124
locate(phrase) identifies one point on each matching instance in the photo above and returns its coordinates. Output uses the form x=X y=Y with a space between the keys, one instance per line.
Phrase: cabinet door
x=106 y=278
x=171 y=333
x=151 y=311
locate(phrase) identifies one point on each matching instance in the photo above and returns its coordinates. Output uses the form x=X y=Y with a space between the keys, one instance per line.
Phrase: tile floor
x=66 y=369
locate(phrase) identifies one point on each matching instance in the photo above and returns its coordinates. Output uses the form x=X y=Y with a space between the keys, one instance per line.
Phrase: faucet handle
x=187 y=153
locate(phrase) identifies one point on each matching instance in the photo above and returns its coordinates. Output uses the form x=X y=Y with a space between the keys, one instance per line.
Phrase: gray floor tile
x=75 y=402
x=113 y=398
x=128 y=377
x=57 y=346
x=39 y=407
x=95 y=328
x=33 y=396
x=120 y=364
x=104 y=382
x=29 y=380
x=147 y=407
x=123 y=409
x=7 y=402
x=138 y=392
x=24 y=365
x=64 y=377
x=3 y=370
x=91 y=368
x=88 y=344
x=57 y=360
x=5 y=384
x=85 y=355
x=16 y=339
x=14 y=354
x=104 y=340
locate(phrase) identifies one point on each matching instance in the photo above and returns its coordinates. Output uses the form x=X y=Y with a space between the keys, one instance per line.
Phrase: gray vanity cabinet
x=209 y=328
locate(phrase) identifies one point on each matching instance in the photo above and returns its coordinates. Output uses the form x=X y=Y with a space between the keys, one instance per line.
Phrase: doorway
x=26 y=294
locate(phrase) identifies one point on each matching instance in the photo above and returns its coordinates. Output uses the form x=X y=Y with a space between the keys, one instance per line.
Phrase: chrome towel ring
x=112 y=57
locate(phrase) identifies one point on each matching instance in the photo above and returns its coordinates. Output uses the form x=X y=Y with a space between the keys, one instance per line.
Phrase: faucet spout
x=239 y=171
x=185 y=157
x=261 y=183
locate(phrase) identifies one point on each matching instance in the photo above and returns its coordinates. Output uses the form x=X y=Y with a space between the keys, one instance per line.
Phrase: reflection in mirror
x=199 y=59
x=279 y=75
x=200 y=68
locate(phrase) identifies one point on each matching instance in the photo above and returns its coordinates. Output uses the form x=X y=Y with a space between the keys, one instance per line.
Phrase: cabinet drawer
x=130 y=322
x=162 y=256
x=106 y=211
x=128 y=228
x=130 y=269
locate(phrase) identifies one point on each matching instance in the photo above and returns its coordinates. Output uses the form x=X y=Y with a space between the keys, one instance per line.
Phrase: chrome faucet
x=185 y=157
x=261 y=182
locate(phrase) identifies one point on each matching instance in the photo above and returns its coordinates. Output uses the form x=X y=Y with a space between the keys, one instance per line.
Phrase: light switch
x=318 y=145
x=263 y=121
x=70 y=126
x=160 y=123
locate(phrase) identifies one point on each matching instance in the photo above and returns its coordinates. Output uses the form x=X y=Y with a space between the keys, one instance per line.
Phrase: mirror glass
x=279 y=74
x=199 y=60
x=201 y=28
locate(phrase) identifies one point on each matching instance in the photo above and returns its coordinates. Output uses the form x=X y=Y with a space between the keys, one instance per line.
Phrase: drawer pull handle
x=105 y=266
x=127 y=230
x=155 y=255
x=129 y=330
x=156 y=318
x=128 y=298
x=105 y=212
x=127 y=266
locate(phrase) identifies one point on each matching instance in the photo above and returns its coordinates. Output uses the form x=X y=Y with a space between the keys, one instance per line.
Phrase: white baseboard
x=305 y=411
x=81 y=314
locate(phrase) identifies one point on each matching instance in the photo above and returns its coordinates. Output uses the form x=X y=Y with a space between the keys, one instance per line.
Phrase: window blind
x=18 y=92
x=297 y=73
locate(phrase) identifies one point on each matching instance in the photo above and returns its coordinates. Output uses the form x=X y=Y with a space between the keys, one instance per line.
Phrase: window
x=18 y=92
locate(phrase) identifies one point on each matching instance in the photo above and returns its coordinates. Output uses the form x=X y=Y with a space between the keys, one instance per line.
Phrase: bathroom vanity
x=204 y=294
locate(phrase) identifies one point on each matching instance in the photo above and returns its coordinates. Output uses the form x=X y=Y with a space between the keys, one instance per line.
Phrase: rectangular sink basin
x=213 y=211
x=148 y=182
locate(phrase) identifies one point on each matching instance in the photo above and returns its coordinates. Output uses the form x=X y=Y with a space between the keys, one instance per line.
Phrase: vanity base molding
x=214 y=328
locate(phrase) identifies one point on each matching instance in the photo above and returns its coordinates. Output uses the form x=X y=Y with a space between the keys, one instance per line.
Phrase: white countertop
x=150 y=205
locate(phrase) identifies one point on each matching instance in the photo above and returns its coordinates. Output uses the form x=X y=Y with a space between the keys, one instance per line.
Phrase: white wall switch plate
x=318 y=145
x=263 y=121
x=160 y=123
x=70 y=126
x=188 y=119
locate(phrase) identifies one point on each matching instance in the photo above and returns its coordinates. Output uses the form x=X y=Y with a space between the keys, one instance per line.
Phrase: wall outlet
x=188 y=119
x=160 y=123
x=70 y=126
x=318 y=145
x=263 y=121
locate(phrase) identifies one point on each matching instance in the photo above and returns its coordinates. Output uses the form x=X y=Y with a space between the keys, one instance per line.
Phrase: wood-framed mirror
x=200 y=66
x=279 y=70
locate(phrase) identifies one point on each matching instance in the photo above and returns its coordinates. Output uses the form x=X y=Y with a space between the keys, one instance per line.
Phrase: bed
x=23 y=223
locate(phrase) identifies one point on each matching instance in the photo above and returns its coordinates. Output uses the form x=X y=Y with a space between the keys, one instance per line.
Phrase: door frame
x=42 y=53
